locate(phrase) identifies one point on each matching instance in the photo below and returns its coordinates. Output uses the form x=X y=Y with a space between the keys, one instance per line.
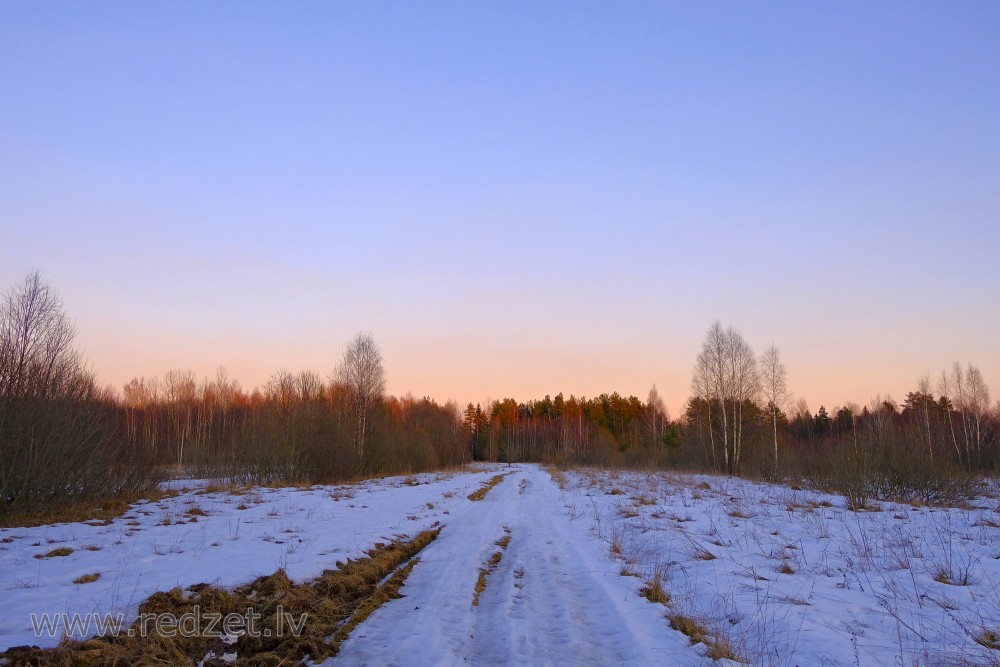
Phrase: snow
x=788 y=577
x=302 y=530
x=555 y=598
x=860 y=588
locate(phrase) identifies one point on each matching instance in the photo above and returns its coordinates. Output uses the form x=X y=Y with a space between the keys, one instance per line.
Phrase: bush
x=59 y=434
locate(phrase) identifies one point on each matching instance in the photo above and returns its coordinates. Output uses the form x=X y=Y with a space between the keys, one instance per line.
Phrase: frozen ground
x=787 y=577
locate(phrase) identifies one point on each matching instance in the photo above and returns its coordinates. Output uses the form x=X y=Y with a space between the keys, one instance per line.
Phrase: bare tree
x=362 y=374
x=978 y=406
x=726 y=379
x=775 y=389
x=655 y=416
x=709 y=378
x=180 y=392
x=924 y=389
x=945 y=389
x=880 y=411
x=56 y=427
x=971 y=399
x=37 y=358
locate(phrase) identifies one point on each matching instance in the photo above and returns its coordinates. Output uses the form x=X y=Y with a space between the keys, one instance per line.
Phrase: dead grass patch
x=481 y=492
x=616 y=546
x=989 y=639
x=718 y=646
x=56 y=553
x=491 y=565
x=101 y=510
x=653 y=591
x=87 y=578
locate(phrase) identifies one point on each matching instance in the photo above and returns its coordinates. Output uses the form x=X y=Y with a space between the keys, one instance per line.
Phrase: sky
x=514 y=198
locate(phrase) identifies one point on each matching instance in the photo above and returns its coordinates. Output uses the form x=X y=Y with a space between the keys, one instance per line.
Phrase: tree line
x=64 y=436
x=607 y=429
x=741 y=419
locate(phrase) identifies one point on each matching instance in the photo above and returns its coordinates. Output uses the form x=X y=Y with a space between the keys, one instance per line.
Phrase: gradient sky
x=515 y=198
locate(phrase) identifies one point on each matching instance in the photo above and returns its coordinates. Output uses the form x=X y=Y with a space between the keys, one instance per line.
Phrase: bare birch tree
x=924 y=389
x=978 y=406
x=362 y=374
x=726 y=379
x=775 y=389
x=655 y=416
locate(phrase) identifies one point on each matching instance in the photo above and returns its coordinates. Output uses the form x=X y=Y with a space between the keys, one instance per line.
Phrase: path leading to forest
x=553 y=598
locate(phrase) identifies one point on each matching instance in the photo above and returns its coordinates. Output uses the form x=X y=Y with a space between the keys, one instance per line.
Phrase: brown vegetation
x=491 y=565
x=74 y=451
x=481 y=492
x=718 y=646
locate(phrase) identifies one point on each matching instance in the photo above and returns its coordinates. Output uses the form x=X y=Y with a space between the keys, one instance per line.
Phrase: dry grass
x=384 y=593
x=653 y=591
x=989 y=639
x=71 y=510
x=481 y=492
x=718 y=646
x=944 y=575
x=56 y=553
x=87 y=578
x=704 y=554
x=616 y=546
x=491 y=565
x=332 y=604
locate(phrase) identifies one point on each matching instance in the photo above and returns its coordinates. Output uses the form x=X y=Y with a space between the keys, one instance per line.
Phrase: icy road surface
x=554 y=598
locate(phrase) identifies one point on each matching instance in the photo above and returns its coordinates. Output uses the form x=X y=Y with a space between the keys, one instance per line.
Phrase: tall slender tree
x=363 y=376
x=775 y=390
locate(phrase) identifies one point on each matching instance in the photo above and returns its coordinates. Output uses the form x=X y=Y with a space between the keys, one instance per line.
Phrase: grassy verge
x=102 y=509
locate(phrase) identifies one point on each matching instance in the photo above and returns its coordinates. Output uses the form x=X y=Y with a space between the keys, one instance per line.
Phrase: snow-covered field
x=786 y=577
x=790 y=577
x=219 y=538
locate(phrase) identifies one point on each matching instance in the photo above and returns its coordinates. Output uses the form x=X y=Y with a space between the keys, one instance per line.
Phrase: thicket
x=65 y=441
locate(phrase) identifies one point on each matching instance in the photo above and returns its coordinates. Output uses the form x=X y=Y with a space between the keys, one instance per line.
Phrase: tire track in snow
x=554 y=598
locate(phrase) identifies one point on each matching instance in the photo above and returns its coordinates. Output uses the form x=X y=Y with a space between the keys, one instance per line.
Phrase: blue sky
x=515 y=198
